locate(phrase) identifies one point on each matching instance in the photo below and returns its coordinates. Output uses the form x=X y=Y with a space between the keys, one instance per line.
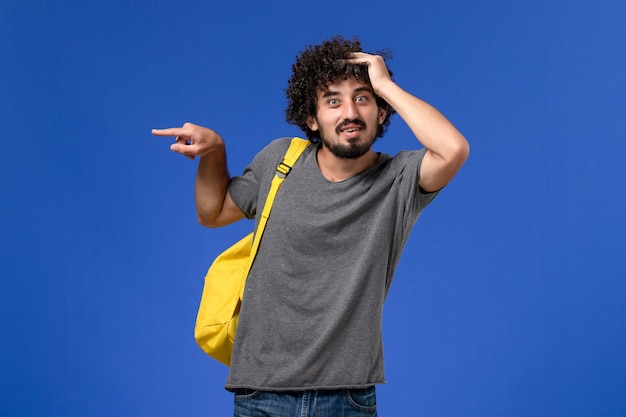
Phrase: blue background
x=510 y=299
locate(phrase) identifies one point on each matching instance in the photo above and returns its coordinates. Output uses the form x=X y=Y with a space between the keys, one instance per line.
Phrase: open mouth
x=350 y=128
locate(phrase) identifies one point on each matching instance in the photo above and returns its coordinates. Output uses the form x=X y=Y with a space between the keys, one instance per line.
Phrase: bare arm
x=214 y=206
x=446 y=147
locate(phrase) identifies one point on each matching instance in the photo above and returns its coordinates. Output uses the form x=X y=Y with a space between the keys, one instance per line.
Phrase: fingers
x=191 y=140
x=183 y=149
x=375 y=63
x=365 y=59
x=174 y=131
x=186 y=146
x=183 y=139
x=376 y=68
x=359 y=58
x=186 y=130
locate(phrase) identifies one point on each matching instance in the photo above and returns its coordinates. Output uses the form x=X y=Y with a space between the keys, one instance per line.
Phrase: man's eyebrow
x=330 y=93
x=363 y=88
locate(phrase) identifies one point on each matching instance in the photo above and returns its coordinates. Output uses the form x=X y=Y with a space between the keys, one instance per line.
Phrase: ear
x=382 y=113
x=312 y=123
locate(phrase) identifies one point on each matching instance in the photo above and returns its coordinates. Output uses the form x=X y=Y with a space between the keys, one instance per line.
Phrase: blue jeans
x=331 y=403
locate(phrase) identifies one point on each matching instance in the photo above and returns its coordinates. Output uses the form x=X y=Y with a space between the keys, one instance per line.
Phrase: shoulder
x=275 y=152
x=403 y=160
x=277 y=146
x=268 y=156
x=407 y=166
x=410 y=156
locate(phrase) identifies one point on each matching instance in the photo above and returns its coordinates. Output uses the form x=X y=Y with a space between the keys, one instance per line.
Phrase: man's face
x=347 y=118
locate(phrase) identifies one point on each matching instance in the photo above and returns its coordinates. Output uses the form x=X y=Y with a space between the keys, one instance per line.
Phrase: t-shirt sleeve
x=411 y=162
x=246 y=189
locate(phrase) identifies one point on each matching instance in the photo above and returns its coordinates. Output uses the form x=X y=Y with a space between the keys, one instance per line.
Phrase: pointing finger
x=173 y=131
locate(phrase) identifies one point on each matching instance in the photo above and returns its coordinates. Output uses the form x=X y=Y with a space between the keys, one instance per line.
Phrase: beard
x=355 y=147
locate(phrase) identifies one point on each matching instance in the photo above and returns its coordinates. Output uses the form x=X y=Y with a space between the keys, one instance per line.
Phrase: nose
x=350 y=110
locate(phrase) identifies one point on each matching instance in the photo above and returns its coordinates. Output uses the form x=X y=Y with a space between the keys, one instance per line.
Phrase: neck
x=337 y=169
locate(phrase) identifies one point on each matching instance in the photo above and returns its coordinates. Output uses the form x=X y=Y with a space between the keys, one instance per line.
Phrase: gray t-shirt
x=311 y=316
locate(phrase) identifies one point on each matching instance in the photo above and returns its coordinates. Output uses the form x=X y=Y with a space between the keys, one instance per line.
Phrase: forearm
x=213 y=204
x=211 y=186
x=446 y=148
x=431 y=128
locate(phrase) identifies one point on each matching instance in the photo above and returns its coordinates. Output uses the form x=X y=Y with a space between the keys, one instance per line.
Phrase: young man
x=309 y=337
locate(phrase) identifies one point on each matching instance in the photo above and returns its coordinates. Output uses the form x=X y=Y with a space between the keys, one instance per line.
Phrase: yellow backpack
x=225 y=281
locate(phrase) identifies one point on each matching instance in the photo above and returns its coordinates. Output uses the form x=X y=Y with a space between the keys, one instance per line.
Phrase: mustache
x=347 y=122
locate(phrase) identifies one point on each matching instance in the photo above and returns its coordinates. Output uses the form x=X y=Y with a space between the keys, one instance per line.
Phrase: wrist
x=385 y=88
x=215 y=148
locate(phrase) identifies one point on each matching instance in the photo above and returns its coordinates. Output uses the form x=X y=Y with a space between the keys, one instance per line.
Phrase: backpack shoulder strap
x=296 y=148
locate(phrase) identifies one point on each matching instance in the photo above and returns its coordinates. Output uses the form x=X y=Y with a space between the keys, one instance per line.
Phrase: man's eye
x=333 y=101
x=361 y=99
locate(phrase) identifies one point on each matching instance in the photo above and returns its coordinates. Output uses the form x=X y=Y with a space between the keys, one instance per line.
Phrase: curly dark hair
x=314 y=69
